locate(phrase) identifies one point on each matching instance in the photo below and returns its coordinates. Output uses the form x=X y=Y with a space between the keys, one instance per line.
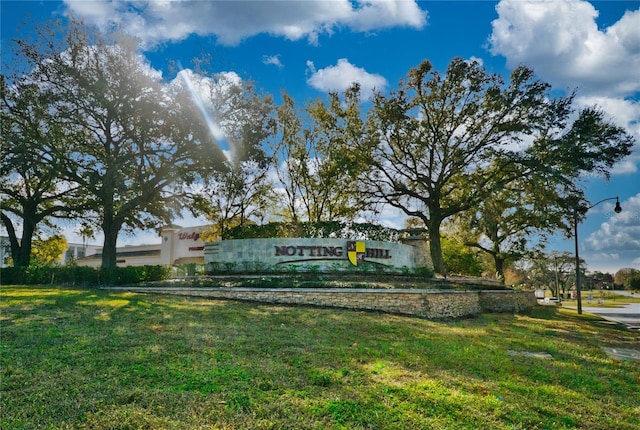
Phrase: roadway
x=628 y=314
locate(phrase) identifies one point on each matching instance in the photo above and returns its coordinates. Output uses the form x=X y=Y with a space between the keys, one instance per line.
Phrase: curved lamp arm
x=617 y=209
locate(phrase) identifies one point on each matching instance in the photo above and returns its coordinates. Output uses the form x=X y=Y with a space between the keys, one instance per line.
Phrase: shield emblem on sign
x=355 y=252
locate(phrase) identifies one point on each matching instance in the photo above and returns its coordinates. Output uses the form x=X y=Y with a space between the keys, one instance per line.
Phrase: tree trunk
x=13 y=239
x=109 y=247
x=110 y=227
x=28 y=229
x=499 y=262
x=21 y=252
x=435 y=247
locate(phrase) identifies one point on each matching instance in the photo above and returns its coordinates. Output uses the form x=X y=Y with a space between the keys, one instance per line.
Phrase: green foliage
x=230 y=266
x=423 y=272
x=441 y=142
x=12 y=275
x=447 y=149
x=319 y=175
x=445 y=145
x=32 y=154
x=322 y=229
x=241 y=190
x=77 y=275
x=130 y=177
x=133 y=274
x=555 y=271
x=80 y=275
x=592 y=144
x=460 y=259
x=513 y=223
x=629 y=277
x=49 y=251
x=25 y=275
x=633 y=283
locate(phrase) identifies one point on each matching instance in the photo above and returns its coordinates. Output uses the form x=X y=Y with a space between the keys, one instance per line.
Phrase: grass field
x=608 y=299
x=73 y=358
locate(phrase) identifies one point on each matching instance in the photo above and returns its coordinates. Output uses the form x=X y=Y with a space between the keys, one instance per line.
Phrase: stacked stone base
x=430 y=304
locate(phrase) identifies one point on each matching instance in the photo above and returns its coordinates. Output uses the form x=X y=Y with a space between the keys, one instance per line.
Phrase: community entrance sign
x=310 y=254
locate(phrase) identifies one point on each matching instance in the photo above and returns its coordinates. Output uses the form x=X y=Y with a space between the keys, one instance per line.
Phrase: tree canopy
x=32 y=149
x=94 y=132
x=316 y=164
x=131 y=142
x=440 y=144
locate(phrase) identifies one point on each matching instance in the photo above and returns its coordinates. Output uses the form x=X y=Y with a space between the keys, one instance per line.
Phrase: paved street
x=629 y=314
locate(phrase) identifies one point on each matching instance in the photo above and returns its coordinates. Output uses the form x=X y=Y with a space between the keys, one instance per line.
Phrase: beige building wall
x=177 y=245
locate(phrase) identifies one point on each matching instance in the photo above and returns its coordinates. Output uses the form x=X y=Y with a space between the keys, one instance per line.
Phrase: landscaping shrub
x=134 y=274
x=39 y=275
x=424 y=272
x=12 y=276
x=75 y=275
x=80 y=275
x=327 y=229
x=158 y=273
x=121 y=275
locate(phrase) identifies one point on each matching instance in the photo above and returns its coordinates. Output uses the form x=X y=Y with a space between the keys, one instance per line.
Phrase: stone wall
x=503 y=301
x=434 y=304
x=421 y=251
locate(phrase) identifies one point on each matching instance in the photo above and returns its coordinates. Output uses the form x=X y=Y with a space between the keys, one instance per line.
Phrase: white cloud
x=232 y=21
x=342 y=75
x=100 y=13
x=626 y=167
x=621 y=232
x=604 y=257
x=478 y=60
x=563 y=43
x=376 y=14
x=624 y=113
x=273 y=60
x=311 y=66
x=392 y=217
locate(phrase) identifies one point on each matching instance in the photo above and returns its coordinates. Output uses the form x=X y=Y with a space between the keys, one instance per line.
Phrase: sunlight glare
x=215 y=130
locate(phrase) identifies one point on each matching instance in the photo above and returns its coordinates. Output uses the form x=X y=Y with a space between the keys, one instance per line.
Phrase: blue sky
x=310 y=47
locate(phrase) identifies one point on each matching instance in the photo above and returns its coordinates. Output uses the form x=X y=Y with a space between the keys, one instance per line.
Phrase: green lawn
x=606 y=299
x=73 y=358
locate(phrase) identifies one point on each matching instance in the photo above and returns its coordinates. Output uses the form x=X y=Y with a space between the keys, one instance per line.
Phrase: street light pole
x=575 y=238
x=617 y=210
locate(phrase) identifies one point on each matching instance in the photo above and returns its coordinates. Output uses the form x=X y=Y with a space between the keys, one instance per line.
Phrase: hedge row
x=325 y=229
x=79 y=275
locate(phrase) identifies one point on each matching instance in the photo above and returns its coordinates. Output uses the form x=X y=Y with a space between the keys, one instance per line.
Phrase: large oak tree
x=31 y=148
x=440 y=144
x=543 y=200
x=133 y=141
